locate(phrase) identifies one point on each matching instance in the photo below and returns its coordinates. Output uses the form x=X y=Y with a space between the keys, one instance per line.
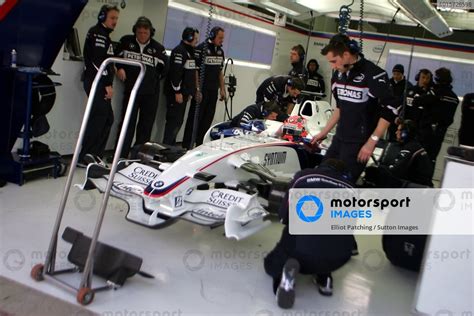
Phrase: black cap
x=398 y=68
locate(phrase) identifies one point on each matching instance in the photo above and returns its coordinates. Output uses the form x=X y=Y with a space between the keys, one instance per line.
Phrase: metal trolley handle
x=50 y=259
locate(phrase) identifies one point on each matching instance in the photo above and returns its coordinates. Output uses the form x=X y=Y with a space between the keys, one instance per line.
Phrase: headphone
x=188 y=34
x=269 y=107
x=300 y=50
x=144 y=21
x=103 y=12
x=295 y=83
x=424 y=71
x=408 y=130
x=214 y=31
x=351 y=44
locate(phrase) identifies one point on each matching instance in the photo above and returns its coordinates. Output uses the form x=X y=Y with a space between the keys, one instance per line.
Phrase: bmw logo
x=158 y=184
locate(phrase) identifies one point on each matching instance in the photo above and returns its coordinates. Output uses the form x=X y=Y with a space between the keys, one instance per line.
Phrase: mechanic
x=317 y=255
x=97 y=48
x=315 y=82
x=365 y=106
x=433 y=126
x=466 y=131
x=411 y=163
x=141 y=47
x=297 y=55
x=182 y=83
x=414 y=105
x=284 y=90
x=398 y=82
x=259 y=111
x=213 y=82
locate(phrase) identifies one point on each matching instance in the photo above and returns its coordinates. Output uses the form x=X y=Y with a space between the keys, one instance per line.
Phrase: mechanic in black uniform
x=411 y=164
x=284 y=90
x=265 y=110
x=213 y=81
x=97 y=48
x=315 y=82
x=182 y=83
x=141 y=47
x=297 y=55
x=317 y=255
x=365 y=106
x=415 y=106
x=397 y=82
x=436 y=120
x=466 y=131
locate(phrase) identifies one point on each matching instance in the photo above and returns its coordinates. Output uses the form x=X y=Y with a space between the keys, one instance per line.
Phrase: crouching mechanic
x=317 y=255
x=285 y=90
x=264 y=110
x=410 y=164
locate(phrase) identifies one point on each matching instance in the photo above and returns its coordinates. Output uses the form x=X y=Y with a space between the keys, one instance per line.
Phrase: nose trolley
x=116 y=265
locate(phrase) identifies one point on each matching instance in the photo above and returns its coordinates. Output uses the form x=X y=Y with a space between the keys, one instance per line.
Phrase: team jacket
x=182 y=71
x=446 y=107
x=97 y=48
x=213 y=64
x=413 y=164
x=315 y=83
x=417 y=100
x=398 y=88
x=252 y=112
x=298 y=70
x=153 y=57
x=328 y=246
x=274 y=88
x=363 y=95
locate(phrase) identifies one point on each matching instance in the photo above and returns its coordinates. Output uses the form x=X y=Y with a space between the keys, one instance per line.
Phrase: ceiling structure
x=439 y=22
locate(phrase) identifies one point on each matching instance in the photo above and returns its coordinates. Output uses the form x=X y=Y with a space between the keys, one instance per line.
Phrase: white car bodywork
x=157 y=195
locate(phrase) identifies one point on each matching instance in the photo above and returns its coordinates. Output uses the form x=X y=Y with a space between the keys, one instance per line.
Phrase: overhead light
x=279 y=8
x=422 y=12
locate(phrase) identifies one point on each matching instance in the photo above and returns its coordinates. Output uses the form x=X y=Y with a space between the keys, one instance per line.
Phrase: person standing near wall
x=213 y=82
x=182 y=83
x=97 y=48
x=297 y=55
x=143 y=48
x=315 y=82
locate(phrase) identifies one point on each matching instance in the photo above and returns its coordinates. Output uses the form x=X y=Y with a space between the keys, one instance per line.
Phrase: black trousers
x=100 y=122
x=144 y=110
x=346 y=152
x=207 y=109
x=174 y=118
x=320 y=262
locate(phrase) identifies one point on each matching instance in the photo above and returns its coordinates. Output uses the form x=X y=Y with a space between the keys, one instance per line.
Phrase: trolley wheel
x=85 y=296
x=37 y=272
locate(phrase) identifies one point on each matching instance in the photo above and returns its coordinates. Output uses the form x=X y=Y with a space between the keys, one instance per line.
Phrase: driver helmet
x=294 y=128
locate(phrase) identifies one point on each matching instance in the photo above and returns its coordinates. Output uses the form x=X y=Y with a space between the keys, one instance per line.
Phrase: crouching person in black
x=409 y=164
x=316 y=255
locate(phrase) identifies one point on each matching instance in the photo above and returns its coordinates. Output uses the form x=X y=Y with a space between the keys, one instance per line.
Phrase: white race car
x=231 y=181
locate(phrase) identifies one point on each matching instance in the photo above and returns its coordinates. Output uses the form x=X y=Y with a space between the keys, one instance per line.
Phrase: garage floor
x=197 y=270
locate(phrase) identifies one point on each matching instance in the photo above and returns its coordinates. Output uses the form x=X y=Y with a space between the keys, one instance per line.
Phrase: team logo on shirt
x=359 y=78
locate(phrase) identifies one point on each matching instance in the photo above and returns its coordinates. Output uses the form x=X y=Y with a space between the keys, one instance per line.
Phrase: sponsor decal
x=359 y=78
x=213 y=60
x=223 y=199
x=126 y=187
x=190 y=64
x=158 y=184
x=275 y=158
x=312 y=82
x=142 y=174
x=178 y=201
x=344 y=92
x=209 y=213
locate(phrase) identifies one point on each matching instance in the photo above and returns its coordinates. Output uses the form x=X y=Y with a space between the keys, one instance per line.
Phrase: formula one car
x=234 y=181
